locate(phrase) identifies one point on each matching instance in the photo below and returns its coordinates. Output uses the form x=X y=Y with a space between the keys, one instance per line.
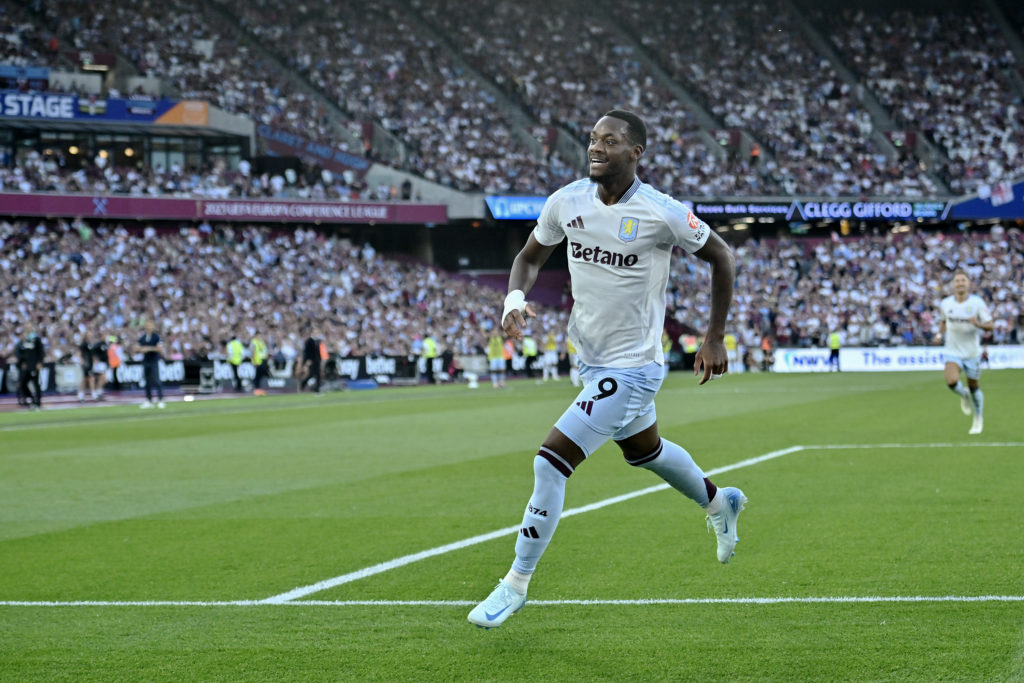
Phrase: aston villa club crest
x=628 y=229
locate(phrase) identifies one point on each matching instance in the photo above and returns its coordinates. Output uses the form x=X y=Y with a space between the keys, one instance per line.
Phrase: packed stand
x=578 y=68
x=880 y=290
x=204 y=284
x=746 y=60
x=750 y=65
x=22 y=41
x=390 y=71
x=35 y=172
x=195 y=49
x=942 y=72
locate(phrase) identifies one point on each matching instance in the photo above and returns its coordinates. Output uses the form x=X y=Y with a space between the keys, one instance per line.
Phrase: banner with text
x=889 y=359
x=528 y=208
x=65 y=107
x=249 y=210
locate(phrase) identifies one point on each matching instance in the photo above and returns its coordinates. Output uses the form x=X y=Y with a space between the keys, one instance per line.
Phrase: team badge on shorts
x=628 y=229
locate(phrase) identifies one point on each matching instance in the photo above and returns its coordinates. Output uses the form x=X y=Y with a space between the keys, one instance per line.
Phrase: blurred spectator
x=210 y=284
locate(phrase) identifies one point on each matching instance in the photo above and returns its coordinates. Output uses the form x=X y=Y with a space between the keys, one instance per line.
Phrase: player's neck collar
x=626 y=196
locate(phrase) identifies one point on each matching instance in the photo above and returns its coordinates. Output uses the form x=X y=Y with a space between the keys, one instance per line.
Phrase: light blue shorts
x=615 y=403
x=497 y=365
x=970 y=366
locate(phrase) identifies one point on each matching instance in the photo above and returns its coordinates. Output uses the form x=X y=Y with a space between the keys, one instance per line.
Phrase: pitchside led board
x=889 y=359
x=1000 y=201
x=529 y=208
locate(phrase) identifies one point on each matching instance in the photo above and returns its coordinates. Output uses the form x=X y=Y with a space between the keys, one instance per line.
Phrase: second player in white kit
x=964 y=317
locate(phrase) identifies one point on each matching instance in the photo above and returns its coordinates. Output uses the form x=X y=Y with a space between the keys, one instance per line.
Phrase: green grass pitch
x=345 y=537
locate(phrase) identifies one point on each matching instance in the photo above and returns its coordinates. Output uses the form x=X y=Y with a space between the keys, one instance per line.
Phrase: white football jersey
x=619 y=259
x=962 y=338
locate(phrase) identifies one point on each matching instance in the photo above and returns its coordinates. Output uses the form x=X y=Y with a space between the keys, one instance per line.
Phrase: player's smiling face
x=610 y=154
x=961 y=285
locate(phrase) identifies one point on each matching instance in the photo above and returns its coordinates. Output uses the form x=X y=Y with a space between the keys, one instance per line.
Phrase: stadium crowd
x=962 y=99
x=581 y=73
x=54 y=172
x=410 y=67
x=208 y=283
x=393 y=72
x=23 y=42
x=205 y=284
x=761 y=74
x=277 y=62
x=198 y=53
x=879 y=290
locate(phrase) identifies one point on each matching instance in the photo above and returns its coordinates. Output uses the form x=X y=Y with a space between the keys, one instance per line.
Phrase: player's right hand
x=515 y=322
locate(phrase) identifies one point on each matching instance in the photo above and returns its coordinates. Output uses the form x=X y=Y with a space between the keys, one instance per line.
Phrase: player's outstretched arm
x=711 y=360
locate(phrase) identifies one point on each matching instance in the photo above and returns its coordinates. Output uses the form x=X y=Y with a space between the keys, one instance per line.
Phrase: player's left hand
x=711 y=361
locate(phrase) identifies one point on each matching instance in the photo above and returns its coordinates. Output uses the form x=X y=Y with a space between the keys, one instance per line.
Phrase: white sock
x=541 y=517
x=519 y=582
x=671 y=462
x=715 y=504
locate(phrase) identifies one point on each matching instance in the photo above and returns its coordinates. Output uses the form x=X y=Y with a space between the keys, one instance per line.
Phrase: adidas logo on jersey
x=575 y=223
x=585 y=406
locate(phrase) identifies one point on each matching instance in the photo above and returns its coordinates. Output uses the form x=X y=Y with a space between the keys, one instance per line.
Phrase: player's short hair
x=961 y=271
x=636 y=129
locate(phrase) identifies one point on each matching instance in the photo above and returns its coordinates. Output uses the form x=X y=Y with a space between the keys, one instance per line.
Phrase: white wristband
x=515 y=301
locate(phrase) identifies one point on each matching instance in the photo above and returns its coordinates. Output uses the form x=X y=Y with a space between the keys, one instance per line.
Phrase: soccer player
x=620 y=234
x=964 y=316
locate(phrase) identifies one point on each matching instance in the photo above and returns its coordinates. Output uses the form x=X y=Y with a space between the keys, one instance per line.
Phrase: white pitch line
x=679 y=601
x=293 y=596
x=303 y=591
x=130 y=603
x=326 y=584
x=843 y=599
x=966 y=444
